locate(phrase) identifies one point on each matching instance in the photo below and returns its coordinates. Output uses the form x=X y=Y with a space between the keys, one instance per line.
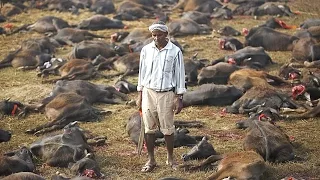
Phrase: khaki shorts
x=158 y=111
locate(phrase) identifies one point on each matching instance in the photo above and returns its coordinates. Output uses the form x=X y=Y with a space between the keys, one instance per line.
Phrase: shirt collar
x=168 y=46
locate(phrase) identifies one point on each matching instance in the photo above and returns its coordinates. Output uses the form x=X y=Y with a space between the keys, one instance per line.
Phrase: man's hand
x=178 y=105
x=139 y=100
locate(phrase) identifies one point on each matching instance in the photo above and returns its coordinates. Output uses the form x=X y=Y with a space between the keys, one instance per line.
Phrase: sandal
x=174 y=166
x=148 y=167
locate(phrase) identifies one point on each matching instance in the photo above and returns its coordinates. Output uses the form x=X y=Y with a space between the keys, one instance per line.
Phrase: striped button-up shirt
x=161 y=70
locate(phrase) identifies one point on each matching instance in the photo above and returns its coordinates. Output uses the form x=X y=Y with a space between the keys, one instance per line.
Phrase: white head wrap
x=160 y=27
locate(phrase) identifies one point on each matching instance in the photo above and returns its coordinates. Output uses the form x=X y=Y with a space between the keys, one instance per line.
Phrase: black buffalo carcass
x=202 y=150
x=269 y=39
x=61 y=149
x=4 y=135
x=212 y=94
x=19 y=160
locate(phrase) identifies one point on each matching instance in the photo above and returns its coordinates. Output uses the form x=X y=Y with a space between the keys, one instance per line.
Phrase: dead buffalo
x=70 y=35
x=218 y=73
x=24 y=176
x=129 y=10
x=248 y=78
x=125 y=65
x=230 y=43
x=200 y=151
x=276 y=23
x=91 y=49
x=269 y=39
x=269 y=141
x=237 y=165
x=247 y=8
x=8 y=107
x=86 y=166
x=309 y=23
x=16 y=161
x=100 y=22
x=62 y=149
x=257 y=96
x=181 y=138
x=306 y=49
x=66 y=108
x=183 y=27
x=205 y=6
x=198 y=17
x=252 y=57
x=125 y=86
x=10 y=10
x=273 y=10
x=5 y=136
x=31 y=54
x=212 y=94
x=102 y=7
x=75 y=69
x=192 y=66
x=133 y=128
x=93 y=93
x=228 y=31
x=45 y=24
x=222 y=13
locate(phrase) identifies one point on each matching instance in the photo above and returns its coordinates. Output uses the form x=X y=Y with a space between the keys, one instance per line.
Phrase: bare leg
x=170 y=144
x=150 y=139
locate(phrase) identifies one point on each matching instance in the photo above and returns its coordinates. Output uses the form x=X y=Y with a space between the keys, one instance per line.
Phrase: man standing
x=161 y=85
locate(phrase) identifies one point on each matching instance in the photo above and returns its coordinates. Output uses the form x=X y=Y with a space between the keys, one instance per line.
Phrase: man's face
x=159 y=37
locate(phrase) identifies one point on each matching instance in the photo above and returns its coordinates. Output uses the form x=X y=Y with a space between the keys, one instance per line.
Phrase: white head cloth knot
x=160 y=27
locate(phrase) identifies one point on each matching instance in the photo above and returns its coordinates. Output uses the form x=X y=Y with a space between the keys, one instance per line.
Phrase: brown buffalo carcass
x=269 y=141
x=127 y=64
x=61 y=149
x=269 y=39
x=45 y=25
x=5 y=136
x=306 y=49
x=257 y=96
x=66 y=108
x=24 y=176
x=100 y=22
x=31 y=54
x=218 y=73
x=206 y=6
x=235 y=165
x=71 y=35
x=248 y=78
x=90 y=49
x=93 y=93
x=75 y=69
x=16 y=161
x=212 y=94
x=183 y=27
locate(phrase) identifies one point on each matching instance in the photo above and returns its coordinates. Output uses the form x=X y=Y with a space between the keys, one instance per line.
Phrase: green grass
x=116 y=158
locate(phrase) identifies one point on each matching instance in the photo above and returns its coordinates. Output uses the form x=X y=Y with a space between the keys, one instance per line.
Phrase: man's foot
x=173 y=165
x=148 y=167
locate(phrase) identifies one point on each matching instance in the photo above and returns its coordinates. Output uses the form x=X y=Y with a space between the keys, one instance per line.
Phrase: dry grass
x=116 y=159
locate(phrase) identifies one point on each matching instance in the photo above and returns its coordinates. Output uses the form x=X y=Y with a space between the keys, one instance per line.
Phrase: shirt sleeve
x=180 y=74
x=142 y=69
